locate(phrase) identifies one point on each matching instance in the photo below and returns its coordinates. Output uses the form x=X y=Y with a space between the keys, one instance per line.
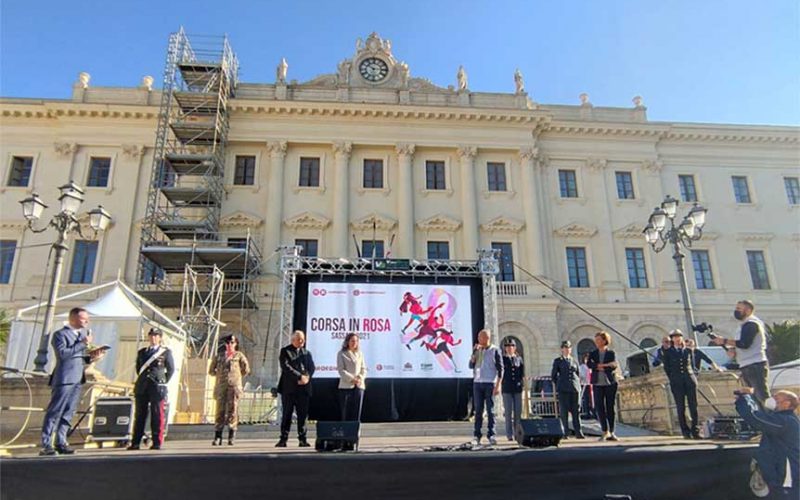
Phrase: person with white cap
x=566 y=379
x=679 y=366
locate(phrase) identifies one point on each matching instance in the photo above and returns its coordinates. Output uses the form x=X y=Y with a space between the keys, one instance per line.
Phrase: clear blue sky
x=728 y=61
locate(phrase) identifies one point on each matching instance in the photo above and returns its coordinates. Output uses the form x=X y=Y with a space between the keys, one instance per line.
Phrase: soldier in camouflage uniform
x=230 y=366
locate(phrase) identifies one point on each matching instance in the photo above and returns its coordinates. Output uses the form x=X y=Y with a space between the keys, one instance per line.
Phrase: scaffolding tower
x=182 y=219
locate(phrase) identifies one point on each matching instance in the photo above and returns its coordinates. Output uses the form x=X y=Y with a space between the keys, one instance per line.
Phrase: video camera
x=706 y=328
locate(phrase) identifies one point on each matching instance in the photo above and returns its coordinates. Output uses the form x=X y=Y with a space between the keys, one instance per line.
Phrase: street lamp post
x=64 y=223
x=658 y=236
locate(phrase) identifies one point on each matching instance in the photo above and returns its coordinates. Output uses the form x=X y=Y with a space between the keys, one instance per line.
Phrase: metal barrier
x=259 y=406
x=23 y=375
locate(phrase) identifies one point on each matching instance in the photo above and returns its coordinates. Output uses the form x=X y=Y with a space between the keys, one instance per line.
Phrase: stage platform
x=394 y=466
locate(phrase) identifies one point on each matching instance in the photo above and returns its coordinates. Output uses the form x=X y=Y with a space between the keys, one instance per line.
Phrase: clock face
x=373 y=69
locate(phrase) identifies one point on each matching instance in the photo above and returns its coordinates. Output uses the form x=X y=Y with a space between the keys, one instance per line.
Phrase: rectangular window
x=152 y=273
x=7 y=252
x=506 y=261
x=308 y=247
x=99 y=169
x=625 y=185
x=637 y=274
x=576 y=267
x=367 y=247
x=309 y=172
x=792 y=190
x=20 y=174
x=434 y=175
x=740 y=189
x=237 y=242
x=438 y=250
x=83 y=261
x=567 y=184
x=758 y=269
x=373 y=174
x=703 y=278
x=688 y=191
x=244 y=173
x=496 y=175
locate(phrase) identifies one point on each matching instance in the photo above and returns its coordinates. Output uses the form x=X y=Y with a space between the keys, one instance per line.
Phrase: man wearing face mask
x=751 y=349
x=780 y=439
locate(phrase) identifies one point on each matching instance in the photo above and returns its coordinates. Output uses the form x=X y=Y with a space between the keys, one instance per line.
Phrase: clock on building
x=373 y=69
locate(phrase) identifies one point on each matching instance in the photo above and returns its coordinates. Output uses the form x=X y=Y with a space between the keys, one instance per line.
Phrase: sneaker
x=492 y=441
x=65 y=450
x=280 y=444
x=475 y=442
x=47 y=451
x=613 y=437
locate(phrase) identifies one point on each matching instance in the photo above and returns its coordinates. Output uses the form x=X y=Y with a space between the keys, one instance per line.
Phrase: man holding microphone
x=487 y=369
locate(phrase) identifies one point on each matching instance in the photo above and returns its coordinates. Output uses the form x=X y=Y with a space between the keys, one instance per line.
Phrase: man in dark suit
x=679 y=366
x=154 y=369
x=297 y=368
x=566 y=379
x=69 y=344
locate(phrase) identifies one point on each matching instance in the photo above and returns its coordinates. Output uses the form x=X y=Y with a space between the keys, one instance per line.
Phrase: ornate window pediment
x=576 y=230
x=630 y=232
x=14 y=224
x=755 y=236
x=378 y=221
x=240 y=219
x=307 y=220
x=503 y=224
x=440 y=223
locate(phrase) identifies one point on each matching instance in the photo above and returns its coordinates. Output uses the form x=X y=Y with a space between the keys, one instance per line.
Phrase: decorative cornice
x=467 y=152
x=576 y=230
x=596 y=164
x=133 y=151
x=13 y=223
x=65 y=148
x=632 y=231
x=307 y=220
x=405 y=148
x=277 y=149
x=379 y=222
x=503 y=224
x=439 y=222
x=706 y=136
x=755 y=236
x=54 y=110
x=240 y=219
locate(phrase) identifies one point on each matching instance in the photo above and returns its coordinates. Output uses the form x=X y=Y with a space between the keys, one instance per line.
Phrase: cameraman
x=780 y=438
x=751 y=349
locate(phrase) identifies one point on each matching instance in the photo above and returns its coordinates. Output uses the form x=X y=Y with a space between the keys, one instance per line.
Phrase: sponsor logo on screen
x=381 y=367
x=319 y=292
x=325 y=368
x=426 y=367
x=408 y=367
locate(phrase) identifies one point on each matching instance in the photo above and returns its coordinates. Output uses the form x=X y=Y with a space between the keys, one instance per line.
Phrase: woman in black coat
x=603 y=363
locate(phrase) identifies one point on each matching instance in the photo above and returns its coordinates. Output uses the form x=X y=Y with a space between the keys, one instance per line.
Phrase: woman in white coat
x=352 y=372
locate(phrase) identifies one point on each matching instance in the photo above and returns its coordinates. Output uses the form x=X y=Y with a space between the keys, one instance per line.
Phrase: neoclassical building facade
x=563 y=191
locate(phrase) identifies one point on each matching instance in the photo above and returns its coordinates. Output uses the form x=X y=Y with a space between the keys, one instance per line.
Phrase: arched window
x=647 y=342
x=584 y=346
x=520 y=347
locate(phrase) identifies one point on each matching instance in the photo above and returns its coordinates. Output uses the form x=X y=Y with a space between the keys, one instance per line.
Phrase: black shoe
x=280 y=444
x=217 y=439
x=64 y=450
x=304 y=444
x=696 y=435
x=132 y=447
x=155 y=447
x=580 y=436
x=231 y=436
x=47 y=451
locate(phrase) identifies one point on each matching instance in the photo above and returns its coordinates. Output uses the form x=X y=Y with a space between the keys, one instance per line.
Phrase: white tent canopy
x=119 y=317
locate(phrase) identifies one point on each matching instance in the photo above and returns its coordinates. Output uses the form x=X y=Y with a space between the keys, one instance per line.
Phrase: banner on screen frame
x=405 y=331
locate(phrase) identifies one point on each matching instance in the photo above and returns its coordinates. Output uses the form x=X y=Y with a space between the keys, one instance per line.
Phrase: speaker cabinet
x=333 y=436
x=539 y=432
x=112 y=419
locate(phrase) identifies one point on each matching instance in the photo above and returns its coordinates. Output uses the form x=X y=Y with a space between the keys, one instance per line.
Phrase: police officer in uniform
x=679 y=366
x=154 y=368
x=566 y=378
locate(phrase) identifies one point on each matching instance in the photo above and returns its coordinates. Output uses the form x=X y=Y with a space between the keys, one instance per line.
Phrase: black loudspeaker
x=638 y=364
x=539 y=432
x=332 y=436
x=730 y=427
x=112 y=419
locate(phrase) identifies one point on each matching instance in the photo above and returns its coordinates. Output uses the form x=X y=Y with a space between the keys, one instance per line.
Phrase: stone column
x=533 y=226
x=274 y=215
x=469 y=201
x=341 y=183
x=405 y=201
